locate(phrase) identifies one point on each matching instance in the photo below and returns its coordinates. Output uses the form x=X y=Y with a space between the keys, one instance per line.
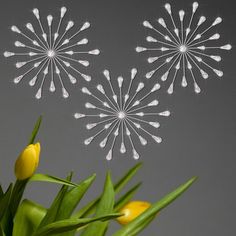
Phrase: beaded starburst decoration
x=185 y=46
x=122 y=112
x=51 y=51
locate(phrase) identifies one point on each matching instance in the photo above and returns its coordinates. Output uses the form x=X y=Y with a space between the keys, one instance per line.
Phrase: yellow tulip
x=27 y=162
x=132 y=210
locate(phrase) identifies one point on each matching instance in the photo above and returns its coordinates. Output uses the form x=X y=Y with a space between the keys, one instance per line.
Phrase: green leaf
x=71 y=224
x=17 y=193
x=1 y=191
x=51 y=179
x=1 y=231
x=105 y=206
x=35 y=130
x=15 y=199
x=4 y=201
x=54 y=209
x=72 y=198
x=6 y=215
x=28 y=217
x=126 y=178
x=123 y=200
x=90 y=207
x=142 y=226
x=128 y=229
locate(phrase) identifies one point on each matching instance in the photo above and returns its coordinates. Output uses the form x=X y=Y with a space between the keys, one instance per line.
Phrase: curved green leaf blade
x=51 y=179
x=27 y=219
x=35 y=130
x=87 y=209
x=127 y=177
x=15 y=198
x=142 y=226
x=105 y=206
x=90 y=207
x=73 y=197
x=71 y=224
x=4 y=201
x=152 y=211
x=1 y=191
x=52 y=212
x=1 y=231
x=123 y=200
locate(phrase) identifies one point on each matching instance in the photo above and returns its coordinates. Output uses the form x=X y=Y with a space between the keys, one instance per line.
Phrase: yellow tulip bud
x=132 y=210
x=27 y=162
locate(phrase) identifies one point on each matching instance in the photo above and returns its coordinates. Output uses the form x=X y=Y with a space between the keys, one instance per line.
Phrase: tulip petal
x=27 y=162
x=132 y=210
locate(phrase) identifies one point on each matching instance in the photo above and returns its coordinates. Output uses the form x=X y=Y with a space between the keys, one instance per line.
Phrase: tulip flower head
x=132 y=210
x=27 y=162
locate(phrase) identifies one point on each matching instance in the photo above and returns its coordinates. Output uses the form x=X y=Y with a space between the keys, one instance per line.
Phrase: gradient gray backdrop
x=199 y=137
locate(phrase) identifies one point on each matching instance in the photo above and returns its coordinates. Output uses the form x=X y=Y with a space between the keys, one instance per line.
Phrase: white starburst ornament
x=184 y=48
x=123 y=113
x=52 y=50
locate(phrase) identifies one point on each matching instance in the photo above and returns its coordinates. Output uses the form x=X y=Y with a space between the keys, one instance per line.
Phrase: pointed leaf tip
x=36 y=129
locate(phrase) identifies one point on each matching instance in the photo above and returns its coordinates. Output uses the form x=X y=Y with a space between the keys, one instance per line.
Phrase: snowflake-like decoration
x=183 y=48
x=122 y=110
x=51 y=52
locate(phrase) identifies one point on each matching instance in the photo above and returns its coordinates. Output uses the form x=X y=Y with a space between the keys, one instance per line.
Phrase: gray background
x=199 y=137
